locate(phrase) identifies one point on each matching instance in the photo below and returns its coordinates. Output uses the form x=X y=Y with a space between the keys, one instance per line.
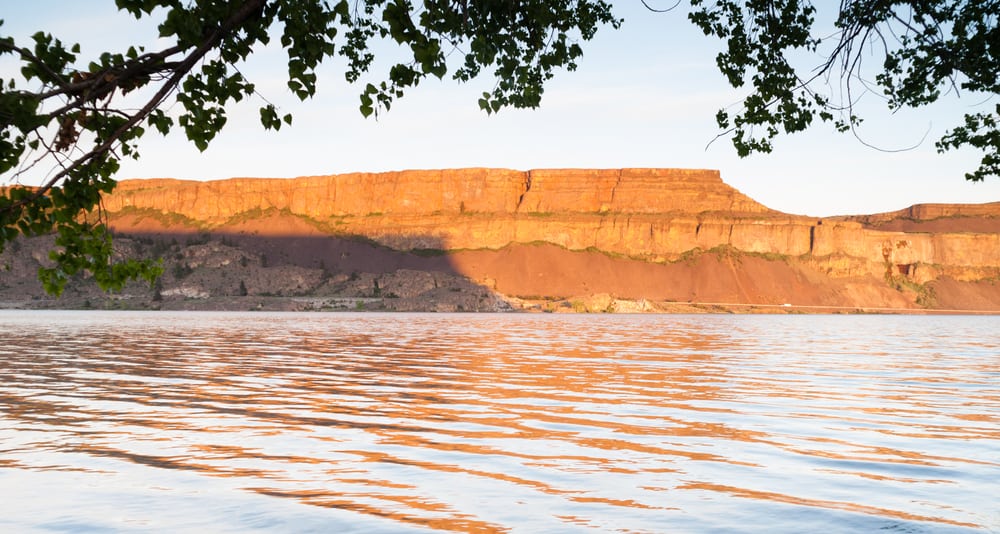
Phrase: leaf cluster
x=922 y=49
x=524 y=42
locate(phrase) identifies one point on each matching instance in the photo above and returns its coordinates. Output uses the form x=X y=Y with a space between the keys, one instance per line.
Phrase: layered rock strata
x=655 y=215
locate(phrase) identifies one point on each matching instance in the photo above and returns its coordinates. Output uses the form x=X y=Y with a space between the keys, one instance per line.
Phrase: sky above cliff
x=644 y=96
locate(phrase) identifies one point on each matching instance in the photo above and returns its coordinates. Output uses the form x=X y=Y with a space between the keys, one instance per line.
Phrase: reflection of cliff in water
x=219 y=400
x=444 y=422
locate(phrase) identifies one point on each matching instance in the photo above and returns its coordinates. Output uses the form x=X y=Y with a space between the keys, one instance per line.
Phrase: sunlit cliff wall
x=652 y=214
x=457 y=191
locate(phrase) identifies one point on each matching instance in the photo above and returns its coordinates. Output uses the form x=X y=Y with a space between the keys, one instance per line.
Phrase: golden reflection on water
x=494 y=423
x=834 y=505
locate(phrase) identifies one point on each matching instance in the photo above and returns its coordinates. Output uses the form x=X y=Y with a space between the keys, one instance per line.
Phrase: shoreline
x=501 y=305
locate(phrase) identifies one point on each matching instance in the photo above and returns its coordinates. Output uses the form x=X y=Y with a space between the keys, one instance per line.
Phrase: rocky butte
x=553 y=239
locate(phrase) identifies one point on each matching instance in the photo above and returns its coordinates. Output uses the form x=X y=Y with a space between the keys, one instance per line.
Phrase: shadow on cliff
x=247 y=270
x=216 y=269
x=338 y=254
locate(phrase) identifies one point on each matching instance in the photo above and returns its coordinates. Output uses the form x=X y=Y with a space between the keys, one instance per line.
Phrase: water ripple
x=492 y=423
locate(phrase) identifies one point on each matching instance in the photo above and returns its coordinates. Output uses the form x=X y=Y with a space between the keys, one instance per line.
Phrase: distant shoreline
x=352 y=304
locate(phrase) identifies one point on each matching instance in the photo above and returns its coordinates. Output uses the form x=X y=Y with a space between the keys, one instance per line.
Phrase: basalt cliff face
x=596 y=239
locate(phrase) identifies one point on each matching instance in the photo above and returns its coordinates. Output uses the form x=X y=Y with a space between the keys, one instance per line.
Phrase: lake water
x=243 y=422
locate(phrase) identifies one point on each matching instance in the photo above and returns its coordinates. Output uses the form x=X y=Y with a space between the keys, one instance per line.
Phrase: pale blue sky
x=644 y=96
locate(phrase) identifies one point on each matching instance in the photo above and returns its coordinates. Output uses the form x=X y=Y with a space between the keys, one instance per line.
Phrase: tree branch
x=179 y=72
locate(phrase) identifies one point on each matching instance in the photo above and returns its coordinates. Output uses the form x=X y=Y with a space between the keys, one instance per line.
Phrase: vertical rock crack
x=614 y=188
x=527 y=187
